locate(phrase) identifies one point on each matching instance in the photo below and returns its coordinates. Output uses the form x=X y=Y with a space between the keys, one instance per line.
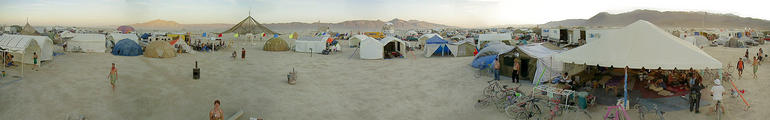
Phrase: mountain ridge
x=688 y=19
x=344 y=26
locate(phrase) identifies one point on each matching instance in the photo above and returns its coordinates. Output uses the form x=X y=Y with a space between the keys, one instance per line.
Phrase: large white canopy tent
x=640 y=44
x=310 y=44
x=23 y=46
x=87 y=43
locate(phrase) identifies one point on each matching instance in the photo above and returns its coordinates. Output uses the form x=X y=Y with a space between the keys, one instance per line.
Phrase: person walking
x=113 y=76
x=34 y=61
x=740 y=68
x=515 y=72
x=755 y=64
x=695 y=94
x=243 y=53
x=497 y=69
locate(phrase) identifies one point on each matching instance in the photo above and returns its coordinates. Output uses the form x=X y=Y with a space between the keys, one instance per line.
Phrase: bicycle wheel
x=481 y=103
x=512 y=111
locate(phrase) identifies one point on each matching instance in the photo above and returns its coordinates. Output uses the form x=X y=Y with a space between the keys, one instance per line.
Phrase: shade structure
x=26 y=45
x=159 y=49
x=249 y=25
x=127 y=47
x=29 y=30
x=464 y=48
x=640 y=44
x=276 y=44
x=310 y=44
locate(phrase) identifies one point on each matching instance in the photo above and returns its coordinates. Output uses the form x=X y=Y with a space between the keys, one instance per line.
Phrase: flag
x=236 y=35
x=263 y=34
x=220 y=34
x=275 y=35
x=291 y=36
x=204 y=35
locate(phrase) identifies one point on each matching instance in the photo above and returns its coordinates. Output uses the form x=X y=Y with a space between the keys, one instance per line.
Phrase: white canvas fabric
x=87 y=43
x=402 y=43
x=310 y=44
x=356 y=39
x=117 y=37
x=640 y=44
x=25 y=45
x=546 y=66
x=370 y=49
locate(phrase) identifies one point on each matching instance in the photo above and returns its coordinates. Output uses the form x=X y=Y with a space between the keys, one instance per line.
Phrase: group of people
x=207 y=46
x=755 y=62
x=243 y=54
x=514 y=72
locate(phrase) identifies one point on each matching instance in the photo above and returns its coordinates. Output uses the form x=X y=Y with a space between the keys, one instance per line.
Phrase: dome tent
x=276 y=44
x=160 y=49
x=127 y=47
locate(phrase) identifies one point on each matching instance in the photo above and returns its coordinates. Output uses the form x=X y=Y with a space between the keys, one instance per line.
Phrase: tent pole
x=625 y=87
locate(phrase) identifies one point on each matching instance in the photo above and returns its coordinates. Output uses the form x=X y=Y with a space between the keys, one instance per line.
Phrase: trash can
x=196 y=73
x=582 y=102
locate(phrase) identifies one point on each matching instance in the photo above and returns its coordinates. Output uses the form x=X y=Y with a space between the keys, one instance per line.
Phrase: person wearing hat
x=717 y=91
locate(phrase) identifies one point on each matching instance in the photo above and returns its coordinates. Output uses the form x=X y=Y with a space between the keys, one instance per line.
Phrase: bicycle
x=491 y=93
x=644 y=108
x=613 y=112
x=510 y=95
x=527 y=109
x=555 y=109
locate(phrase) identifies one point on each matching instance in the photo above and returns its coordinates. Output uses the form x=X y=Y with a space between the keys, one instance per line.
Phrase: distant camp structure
x=160 y=49
x=249 y=25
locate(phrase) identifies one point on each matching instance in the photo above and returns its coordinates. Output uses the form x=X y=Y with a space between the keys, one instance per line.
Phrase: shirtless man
x=113 y=76
x=216 y=113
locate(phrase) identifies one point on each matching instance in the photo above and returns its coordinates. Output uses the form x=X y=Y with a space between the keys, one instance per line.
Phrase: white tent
x=485 y=38
x=356 y=39
x=310 y=44
x=370 y=49
x=640 y=44
x=398 y=44
x=546 y=66
x=23 y=47
x=87 y=43
x=697 y=41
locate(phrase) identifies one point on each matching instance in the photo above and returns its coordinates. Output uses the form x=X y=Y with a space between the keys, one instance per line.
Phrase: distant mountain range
x=667 y=19
x=345 y=26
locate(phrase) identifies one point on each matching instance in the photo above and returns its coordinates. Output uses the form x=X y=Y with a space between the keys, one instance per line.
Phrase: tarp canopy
x=276 y=44
x=487 y=55
x=87 y=43
x=310 y=44
x=27 y=45
x=249 y=25
x=127 y=47
x=640 y=44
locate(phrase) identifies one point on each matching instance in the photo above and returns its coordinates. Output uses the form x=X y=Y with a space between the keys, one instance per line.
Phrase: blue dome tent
x=127 y=47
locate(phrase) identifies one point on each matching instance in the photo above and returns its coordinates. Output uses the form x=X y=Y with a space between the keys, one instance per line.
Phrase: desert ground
x=329 y=87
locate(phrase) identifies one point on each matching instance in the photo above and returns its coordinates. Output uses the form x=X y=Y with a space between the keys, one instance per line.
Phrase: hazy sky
x=463 y=13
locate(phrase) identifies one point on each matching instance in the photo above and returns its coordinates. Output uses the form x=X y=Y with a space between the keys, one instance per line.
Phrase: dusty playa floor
x=329 y=87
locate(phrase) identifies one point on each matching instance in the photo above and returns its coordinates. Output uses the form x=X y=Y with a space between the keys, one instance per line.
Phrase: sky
x=462 y=13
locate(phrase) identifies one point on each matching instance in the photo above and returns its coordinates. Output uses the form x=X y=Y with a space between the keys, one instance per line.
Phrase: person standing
x=36 y=66
x=515 y=72
x=740 y=68
x=216 y=112
x=497 y=69
x=113 y=76
x=695 y=94
x=755 y=64
x=243 y=53
x=717 y=91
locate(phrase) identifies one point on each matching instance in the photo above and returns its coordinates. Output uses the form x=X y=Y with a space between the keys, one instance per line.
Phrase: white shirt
x=717 y=90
